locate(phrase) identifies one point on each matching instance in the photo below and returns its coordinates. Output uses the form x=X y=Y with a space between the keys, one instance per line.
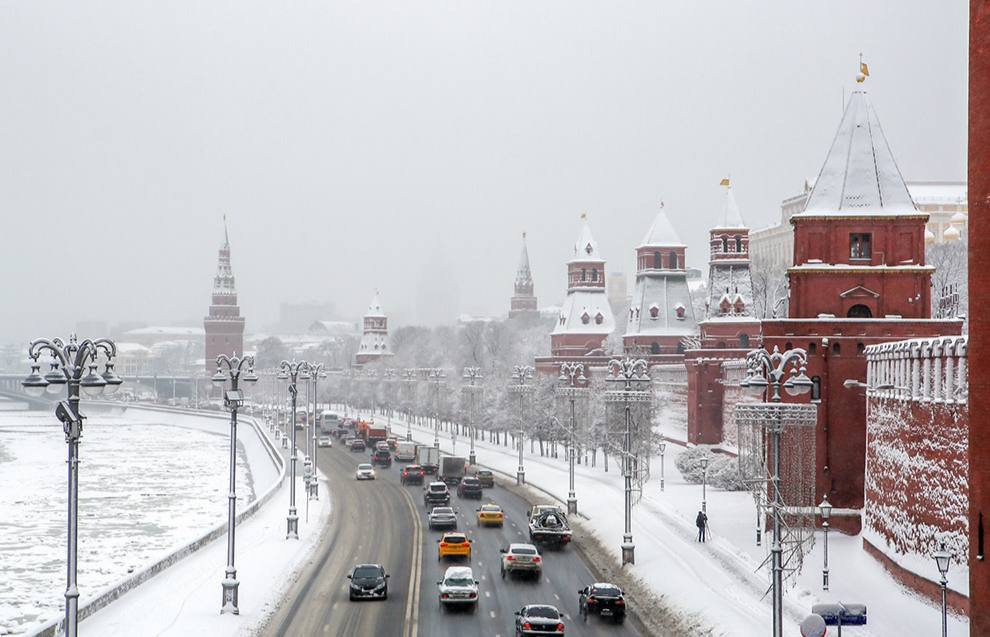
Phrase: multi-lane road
x=382 y=521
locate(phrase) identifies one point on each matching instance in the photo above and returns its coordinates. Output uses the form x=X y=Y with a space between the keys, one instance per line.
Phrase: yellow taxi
x=453 y=545
x=491 y=514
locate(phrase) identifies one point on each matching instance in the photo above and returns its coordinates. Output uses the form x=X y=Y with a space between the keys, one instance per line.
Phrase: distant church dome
x=951 y=234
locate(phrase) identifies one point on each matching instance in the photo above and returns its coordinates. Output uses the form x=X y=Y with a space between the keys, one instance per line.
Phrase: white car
x=364 y=472
x=457 y=587
x=521 y=558
x=325 y=441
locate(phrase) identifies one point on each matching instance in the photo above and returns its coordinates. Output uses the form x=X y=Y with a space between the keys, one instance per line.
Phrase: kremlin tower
x=523 y=302
x=224 y=327
x=374 y=338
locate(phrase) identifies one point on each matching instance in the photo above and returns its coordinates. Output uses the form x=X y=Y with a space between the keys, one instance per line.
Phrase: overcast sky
x=356 y=145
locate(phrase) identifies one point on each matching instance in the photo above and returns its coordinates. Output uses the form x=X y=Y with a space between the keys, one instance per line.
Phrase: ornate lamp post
x=825 y=508
x=69 y=364
x=409 y=383
x=631 y=374
x=290 y=371
x=520 y=374
x=704 y=484
x=315 y=374
x=230 y=368
x=572 y=374
x=389 y=397
x=305 y=375
x=436 y=375
x=942 y=559
x=472 y=375
x=768 y=370
x=663 y=448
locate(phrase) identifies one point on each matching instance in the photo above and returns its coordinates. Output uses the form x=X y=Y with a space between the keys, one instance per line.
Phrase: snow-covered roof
x=375 y=307
x=938 y=192
x=586 y=248
x=666 y=292
x=578 y=303
x=730 y=218
x=661 y=233
x=132 y=349
x=155 y=330
x=523 y=274
x=859 y=175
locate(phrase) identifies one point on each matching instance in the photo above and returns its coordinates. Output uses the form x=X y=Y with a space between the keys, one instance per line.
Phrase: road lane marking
x=556 y=596
x=487 y=594
x=492 y=613
x=412 y=593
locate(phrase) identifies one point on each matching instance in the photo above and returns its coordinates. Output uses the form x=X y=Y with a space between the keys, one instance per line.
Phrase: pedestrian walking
x=702 y=523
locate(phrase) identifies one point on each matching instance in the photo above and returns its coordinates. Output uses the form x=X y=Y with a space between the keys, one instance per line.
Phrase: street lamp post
x=70 y=361
x=826 y=510
x=389 y=397
x=316 y=373
x=290 y=371
x=663 y=448
x=409 y=380
x=631 y=374
x=767 y=371
x=472 y=375
x=573 y=375
x=306 y=376
x=704 y=483
x=230 y=368
x=520 y=374
x=436 y=375
x=942 y=559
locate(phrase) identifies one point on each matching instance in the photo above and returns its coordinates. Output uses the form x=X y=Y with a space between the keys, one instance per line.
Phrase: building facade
x=224 y=326
x=523 y=302
x=374 y=335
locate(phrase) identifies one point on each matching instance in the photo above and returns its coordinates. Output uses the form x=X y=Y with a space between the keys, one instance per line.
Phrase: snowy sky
x=359 y=144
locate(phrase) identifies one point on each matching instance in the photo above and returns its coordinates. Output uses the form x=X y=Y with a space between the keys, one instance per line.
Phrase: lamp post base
x=520 y=477
x=285 y=442
x=825 y=579
x=230 y=585
x=315 y=488
x=628 y=551
x=472 y=458
x=408 y=435
x=292 y=526
x=571 y=504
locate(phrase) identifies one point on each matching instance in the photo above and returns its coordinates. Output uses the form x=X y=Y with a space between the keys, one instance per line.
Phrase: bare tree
x=950 y=280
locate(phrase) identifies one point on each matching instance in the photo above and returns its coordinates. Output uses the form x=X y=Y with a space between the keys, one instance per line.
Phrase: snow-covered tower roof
x=586 y=248
x=730 y=218
x=585 y=319
x=661 y=233
x=859 y=176
x=375 y=307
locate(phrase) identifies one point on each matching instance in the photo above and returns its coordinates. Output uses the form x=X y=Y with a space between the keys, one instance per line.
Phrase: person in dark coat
x=702 y=523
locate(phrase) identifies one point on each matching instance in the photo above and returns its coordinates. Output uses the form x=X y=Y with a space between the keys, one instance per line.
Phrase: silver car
x=442 y=518
x=458 y=587
x=521 y=558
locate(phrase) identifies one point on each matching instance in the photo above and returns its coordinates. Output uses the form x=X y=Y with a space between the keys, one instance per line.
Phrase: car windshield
x=458 y=581
x=364 y=467
x=608 y=591
x=443 y=511
x=491 y=508
x=522 y=550
x=367 y=572
x=548 y=612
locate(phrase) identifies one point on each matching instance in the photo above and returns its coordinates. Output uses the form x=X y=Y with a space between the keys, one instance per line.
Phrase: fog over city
x=405 y=146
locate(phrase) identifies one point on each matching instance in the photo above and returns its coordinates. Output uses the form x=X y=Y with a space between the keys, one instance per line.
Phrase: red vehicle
x=373 y=435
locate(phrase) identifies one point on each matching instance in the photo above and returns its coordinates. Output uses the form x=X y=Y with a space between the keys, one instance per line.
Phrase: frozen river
x=144 y=489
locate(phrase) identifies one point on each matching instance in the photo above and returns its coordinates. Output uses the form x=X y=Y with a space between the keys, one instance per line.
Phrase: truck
x=428 y=458
x=405 y=451
x=374 y=434
x=452 y=469
x=328 y=422
x=548 y=525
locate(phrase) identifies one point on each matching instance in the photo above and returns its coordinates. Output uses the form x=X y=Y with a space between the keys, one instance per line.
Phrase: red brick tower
x=523 y=302
x=224 y=326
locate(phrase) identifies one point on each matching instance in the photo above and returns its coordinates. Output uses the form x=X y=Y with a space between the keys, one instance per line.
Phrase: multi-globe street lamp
x=290 y=371
x=572 y=375
x=631 y=375
x=472 y=375
x=704 y=484
x=767 y=371
x=316 y=372
x=231 y=368
x=390 y=377
x=942 y=559
x=436 y=375
x=69 y=364
x=521 y=374
x=409 y=383
x=825 y=508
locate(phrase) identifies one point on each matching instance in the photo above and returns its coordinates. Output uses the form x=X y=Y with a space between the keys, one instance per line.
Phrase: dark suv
x=436 y=494
x=485 y=477
x=469 y=488
x=412 y=474
x=604 y=599
x=368 y=581
x=383 y=458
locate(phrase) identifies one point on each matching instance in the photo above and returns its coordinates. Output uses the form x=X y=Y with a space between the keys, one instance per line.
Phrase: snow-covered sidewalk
x=716 y=582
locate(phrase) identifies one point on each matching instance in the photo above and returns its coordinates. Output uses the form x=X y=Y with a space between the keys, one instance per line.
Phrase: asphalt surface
x=382 y=521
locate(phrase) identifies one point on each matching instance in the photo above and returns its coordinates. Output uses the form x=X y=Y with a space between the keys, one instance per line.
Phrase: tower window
x=673 y=260
x=594 y=274
x=816 y=388
x=725 y=244
x=654 y=311
x=599 y=318
x=738 y=243
x=584 y=274
x=654 y=347
x=859 y=311
x=744 y=340
x=657 y=263
x=860 y=245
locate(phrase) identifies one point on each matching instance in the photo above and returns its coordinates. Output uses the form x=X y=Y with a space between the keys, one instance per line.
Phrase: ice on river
x=143 y=490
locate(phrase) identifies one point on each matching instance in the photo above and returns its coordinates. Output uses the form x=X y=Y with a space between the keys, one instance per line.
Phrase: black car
x=469 y=488
x=368 y=581
x=602 y=598
x=412 y=474
x=383 y=458
x=356 y=444
x=485 y=477
x=539 y=619
x=436 y=494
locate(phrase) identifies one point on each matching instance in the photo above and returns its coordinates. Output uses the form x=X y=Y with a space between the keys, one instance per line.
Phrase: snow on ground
x=185 y=599
x=144 y=489
x=719 y=581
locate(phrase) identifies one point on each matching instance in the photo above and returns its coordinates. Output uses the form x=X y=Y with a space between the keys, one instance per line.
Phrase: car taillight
x=560 y=628
x=422 y=473
x=620 y=602
x=509 y=558
x=445 y=596
x=536 y=559
x=527 y=626
x=591 y=601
